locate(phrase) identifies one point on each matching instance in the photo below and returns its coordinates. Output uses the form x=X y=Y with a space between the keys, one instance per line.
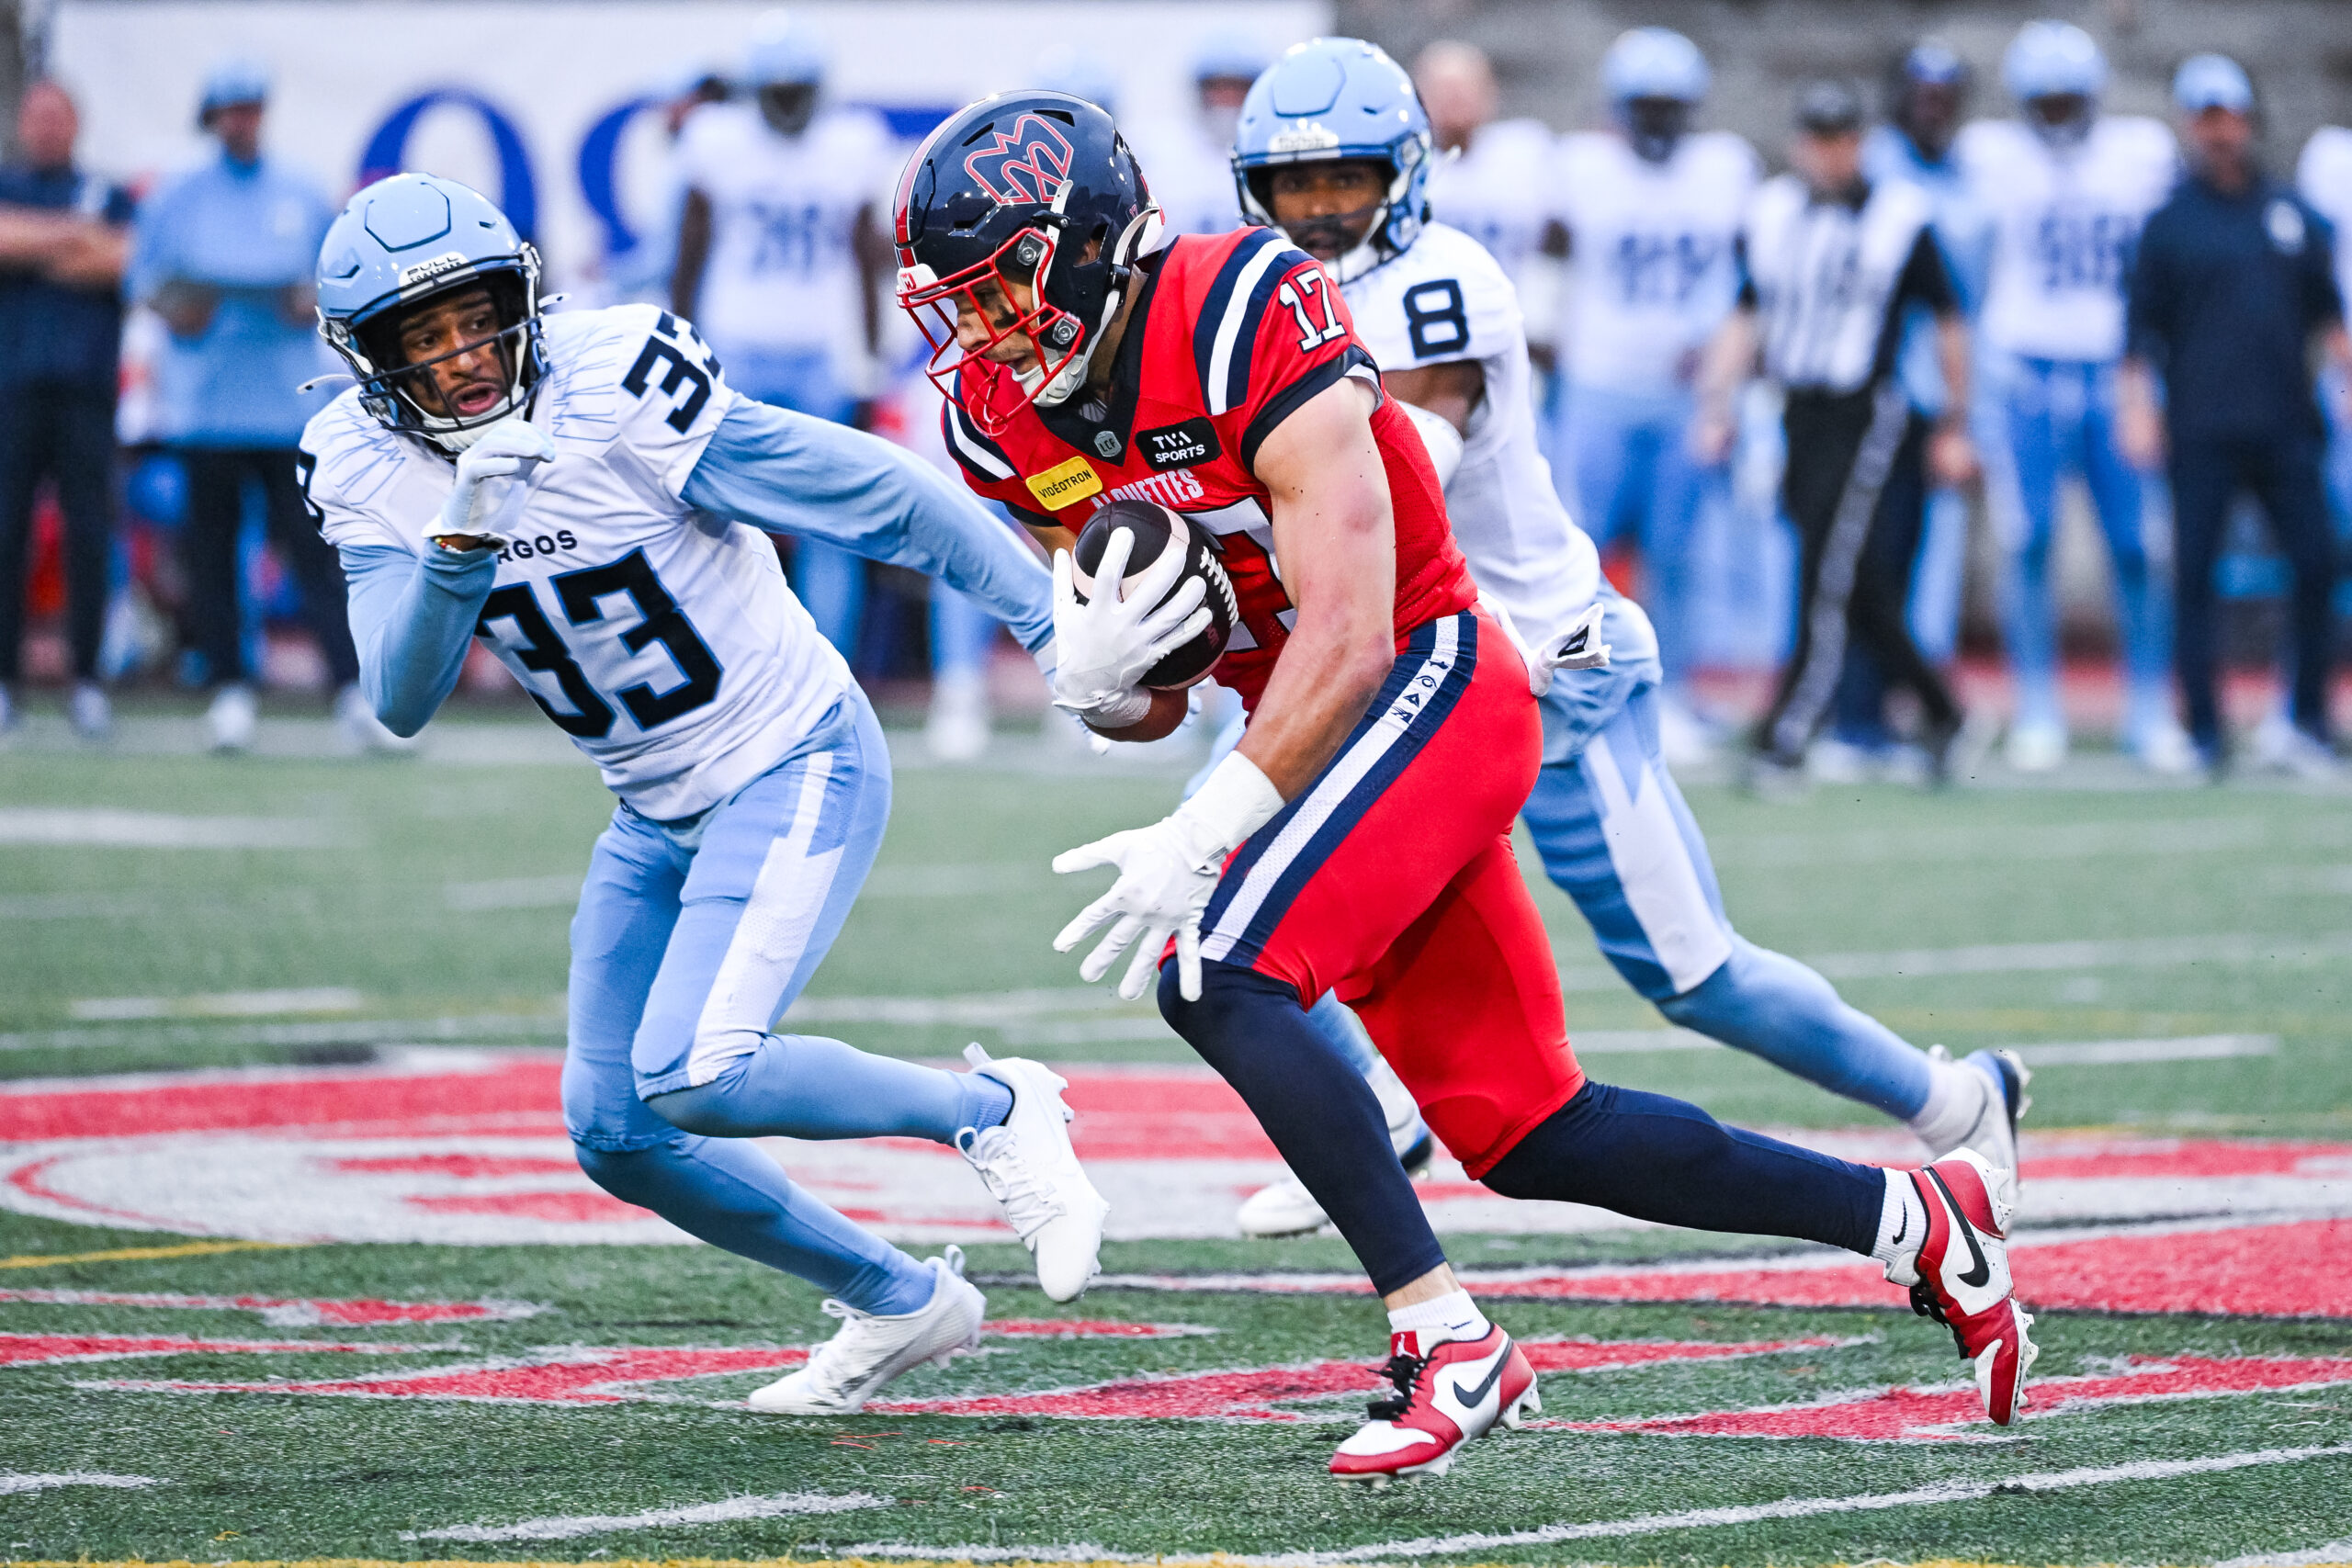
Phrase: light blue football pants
x=691 y=940
x=1616 y=835
x=2061 y=418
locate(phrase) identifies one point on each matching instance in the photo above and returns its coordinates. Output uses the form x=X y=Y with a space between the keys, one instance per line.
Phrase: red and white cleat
x=1962 y=1279
x=1454 y=1391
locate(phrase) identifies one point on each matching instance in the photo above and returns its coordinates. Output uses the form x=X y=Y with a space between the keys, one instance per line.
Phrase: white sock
x=1902 y=1229
x=1955 y=1100
x=1451 y=1316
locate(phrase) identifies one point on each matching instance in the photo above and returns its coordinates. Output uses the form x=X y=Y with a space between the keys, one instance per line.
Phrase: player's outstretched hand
x=1164 y=880
x=1107 y=643
x=493 y=478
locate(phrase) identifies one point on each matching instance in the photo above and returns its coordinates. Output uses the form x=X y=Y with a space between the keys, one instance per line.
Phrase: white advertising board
x=510 y=95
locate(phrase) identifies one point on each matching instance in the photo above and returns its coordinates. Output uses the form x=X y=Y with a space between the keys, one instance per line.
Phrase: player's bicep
x=1328 y=487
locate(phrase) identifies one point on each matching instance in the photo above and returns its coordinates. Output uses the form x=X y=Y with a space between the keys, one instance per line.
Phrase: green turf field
x=424 y=902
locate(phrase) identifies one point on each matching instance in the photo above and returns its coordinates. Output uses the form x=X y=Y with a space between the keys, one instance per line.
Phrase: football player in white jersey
x=781 y=260
x=1491 y=180
x=1651 y=209
x=2067 y=187
x=1191 y=158
x=1440 y=316
x=585 y=495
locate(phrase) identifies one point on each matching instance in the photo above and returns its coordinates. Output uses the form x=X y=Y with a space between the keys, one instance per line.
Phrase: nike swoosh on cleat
x=1983 y=1269
x=1471 y=1397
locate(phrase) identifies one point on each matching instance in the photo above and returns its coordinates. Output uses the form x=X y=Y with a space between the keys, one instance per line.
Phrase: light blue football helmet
x=1328 y=100
x=784 y=52
x=1653 y=62
x=2054 y=60
x=399 y=243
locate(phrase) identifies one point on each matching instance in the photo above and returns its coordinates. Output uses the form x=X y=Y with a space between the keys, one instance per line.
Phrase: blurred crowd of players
x=1623 y=241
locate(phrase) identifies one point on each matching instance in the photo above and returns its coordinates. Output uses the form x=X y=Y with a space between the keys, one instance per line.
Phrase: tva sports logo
x=1028 y=163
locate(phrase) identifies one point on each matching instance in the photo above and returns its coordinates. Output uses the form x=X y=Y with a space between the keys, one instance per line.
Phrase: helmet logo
x=1027 y=163
x=1307 y=138
x=425 y=271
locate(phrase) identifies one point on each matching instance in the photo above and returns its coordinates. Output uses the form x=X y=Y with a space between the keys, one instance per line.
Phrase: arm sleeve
x=413 y=617
x=149 y=266
x=788 y=473
x=1925 y=280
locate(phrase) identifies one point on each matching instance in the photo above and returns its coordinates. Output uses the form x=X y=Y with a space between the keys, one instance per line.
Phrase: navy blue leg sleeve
x=1654 y=1158
x=1317 y=1109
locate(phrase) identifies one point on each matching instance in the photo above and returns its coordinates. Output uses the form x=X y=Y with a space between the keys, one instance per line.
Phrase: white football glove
x=1105 y=646
x=1167 y=873
x=1577 y=646
x=493 y=479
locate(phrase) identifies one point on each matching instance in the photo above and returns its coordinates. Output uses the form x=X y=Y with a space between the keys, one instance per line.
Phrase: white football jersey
x=782 y=276
x=1445 y=298
x=1498 y=191
x=2323 y=176
x=662 y=639
x=2065 y=221
x=1650 y=253
x=1190 y=176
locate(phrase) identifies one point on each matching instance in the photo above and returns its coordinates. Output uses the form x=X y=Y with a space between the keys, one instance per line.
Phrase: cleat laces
x=1405 y=1372
x=832 y=1365
x=996 y=1155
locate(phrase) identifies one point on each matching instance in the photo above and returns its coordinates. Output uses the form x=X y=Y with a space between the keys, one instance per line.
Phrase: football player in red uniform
x=1359 y=837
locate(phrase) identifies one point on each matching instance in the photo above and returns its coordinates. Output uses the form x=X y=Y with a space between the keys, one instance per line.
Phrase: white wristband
x=1233 y=801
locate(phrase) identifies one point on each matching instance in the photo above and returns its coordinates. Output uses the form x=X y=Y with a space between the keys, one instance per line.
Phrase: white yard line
x=219 y=1004
x=104 y=828
x=1941 y=1492
x=2132 y=952
x=14 y=1483
x=514 y=893
x=565 y=1527
x=2126 y=1052
x=2334 y=1551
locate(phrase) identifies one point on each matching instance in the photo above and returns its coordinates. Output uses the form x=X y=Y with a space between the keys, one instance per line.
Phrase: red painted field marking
x=287 y=1312
x=1944 y=1415
x=43 y=1349
x=601 y=1375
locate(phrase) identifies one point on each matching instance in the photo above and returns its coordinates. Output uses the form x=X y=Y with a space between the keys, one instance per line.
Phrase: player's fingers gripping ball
x=1170 y=568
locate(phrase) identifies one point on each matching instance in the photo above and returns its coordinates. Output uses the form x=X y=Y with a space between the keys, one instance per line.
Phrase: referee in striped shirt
x=1831 y=265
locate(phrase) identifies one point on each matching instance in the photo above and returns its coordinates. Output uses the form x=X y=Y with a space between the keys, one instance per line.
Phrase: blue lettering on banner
x=599 y=166
x=518 y=193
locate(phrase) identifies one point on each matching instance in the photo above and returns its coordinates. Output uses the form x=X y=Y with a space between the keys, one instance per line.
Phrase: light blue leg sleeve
x=730 y=1195
x=830 y=582
x=2143 y=593
x=1616 y=835
x=1770 y=1005
x=2031 y=608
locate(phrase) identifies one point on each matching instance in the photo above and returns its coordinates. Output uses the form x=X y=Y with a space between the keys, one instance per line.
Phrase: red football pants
x=1390 y=879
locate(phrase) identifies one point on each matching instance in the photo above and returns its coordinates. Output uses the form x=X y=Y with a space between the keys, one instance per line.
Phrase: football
x=1154 y=527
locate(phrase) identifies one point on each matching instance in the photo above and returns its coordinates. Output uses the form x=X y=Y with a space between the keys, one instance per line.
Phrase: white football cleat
x=363 y=730
x=1993 y=1131
x=871 y=1352
x=956 y=728
x=2035 y=748
x=1028 y=1165
x=234 y=719
x=92 y=714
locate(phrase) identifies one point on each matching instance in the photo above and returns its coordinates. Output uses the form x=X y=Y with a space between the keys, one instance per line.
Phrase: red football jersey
x=1231 y=335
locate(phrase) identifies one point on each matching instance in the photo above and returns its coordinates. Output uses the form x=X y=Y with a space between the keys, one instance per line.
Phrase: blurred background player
x=646 y=270
x=1492 y=179
x=63 y=238
x=1191 y=158
x=2232 y=285
x=2324 y=176
x=1927 y=100
x=2066 y=187
x=1833 y=266
x=224 y=255
x=530 y=481
x=1651 y=211
x=1439 y=316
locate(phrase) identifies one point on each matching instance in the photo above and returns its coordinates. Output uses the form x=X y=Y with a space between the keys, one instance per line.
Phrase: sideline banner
x=541 y=103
